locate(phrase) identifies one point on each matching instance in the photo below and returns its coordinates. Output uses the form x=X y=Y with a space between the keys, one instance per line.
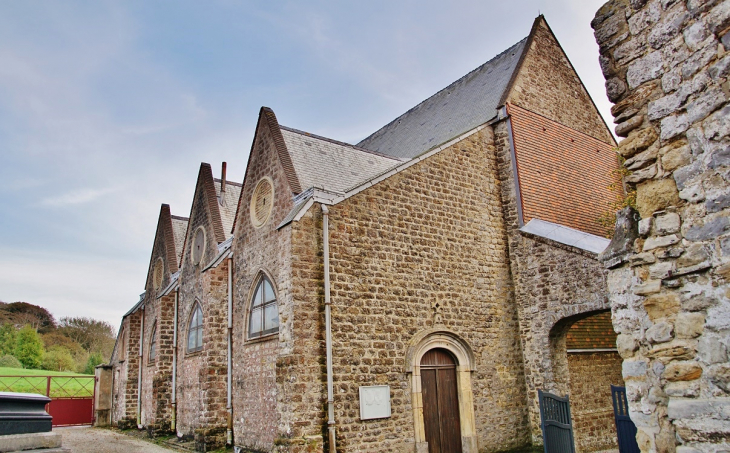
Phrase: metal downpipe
x=331 y=431
x=139 y=374
x=173 y=421
x=229 y=405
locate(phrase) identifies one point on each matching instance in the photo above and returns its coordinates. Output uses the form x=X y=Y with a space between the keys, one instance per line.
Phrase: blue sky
x=107 y=109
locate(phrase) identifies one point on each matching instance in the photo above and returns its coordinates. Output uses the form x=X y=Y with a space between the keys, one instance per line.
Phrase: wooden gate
x=625 y=428
x=440 y=402
x=557 y=430
x=72 y=397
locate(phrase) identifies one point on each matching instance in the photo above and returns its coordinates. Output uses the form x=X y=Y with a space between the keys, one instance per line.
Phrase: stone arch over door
x=465 y=364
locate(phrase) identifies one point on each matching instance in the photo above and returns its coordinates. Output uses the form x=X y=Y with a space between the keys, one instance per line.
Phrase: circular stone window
x=198 y=246
x=261 y=202
x=157 y=273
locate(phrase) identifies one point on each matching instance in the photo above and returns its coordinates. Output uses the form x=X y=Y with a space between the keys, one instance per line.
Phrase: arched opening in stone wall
x=448 y=344
x=585 y=365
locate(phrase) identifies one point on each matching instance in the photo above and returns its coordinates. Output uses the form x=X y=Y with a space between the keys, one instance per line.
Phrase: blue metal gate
x=625 y=428
x=557 y=431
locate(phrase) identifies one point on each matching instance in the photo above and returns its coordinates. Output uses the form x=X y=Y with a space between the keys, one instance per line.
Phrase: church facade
x=412 y=292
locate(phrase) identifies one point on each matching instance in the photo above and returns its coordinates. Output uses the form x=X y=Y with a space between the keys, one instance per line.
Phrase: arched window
x=264 y=316
x=153 y=343
x=195 y=330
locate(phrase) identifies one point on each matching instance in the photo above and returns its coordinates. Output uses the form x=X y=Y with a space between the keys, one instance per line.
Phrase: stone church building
x=410 y=293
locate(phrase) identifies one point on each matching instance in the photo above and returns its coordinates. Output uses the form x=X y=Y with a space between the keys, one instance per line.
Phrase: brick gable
x=563 y=174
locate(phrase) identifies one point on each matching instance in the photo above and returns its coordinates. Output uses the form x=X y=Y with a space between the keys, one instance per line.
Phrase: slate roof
x=595 y=332
x=228 y=205
x=460 y=107
x=331 y=165
x=179 y=228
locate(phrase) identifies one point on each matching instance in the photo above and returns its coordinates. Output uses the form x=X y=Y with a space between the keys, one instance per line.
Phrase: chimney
x=223 y=178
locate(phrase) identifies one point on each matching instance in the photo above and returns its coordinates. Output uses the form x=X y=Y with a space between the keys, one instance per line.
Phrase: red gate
x=72 y=397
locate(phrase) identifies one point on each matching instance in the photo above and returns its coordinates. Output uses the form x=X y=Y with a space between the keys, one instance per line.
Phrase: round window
x=158 y=273
x=198 y=246
x=262 y=202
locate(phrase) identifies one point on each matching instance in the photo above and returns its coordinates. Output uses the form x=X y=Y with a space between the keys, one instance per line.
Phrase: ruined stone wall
x=547 y=84
x=429 y=240
x=263 y=414
x=667 y=71
x=591 y=377
x=552 y=283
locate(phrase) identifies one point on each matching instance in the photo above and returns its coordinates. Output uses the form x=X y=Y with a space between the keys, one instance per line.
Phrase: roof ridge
x=337 y=142
x=179 y=217
x=452 y=84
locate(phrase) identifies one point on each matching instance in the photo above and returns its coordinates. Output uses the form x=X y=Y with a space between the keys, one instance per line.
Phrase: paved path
x=98 y=440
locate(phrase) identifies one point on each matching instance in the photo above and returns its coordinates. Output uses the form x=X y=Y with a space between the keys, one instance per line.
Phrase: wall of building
x=201 y=381
x=552 y=283
x=591 y=377
x=667 y=67
x=263 y=415
x=548 y=85
x=564 y=174
x=125 y=373
x=157 y=374
x=432 y=234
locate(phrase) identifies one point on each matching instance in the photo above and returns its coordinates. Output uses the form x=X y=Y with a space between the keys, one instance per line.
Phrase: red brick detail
x=564 y=174
x=595 y=332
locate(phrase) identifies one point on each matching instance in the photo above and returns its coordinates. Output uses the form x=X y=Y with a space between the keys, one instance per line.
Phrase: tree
x=22 y=313
x=7 y=339
x=58 y=358
x=91 y=334
x=8 y=361
x=29 y=347
x=94 y=360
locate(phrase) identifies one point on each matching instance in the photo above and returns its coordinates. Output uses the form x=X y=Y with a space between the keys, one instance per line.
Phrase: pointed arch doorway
x=440 y=401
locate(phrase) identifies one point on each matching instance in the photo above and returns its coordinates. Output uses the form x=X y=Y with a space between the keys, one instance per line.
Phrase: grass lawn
x=63 y=384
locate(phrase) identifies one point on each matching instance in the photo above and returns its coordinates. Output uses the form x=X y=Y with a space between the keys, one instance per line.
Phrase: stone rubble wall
x=666 y=66
x=552 y=283
x=274 y=409
x=427 y=241
x=157 y=374
x=548 y=85
x=125 y=373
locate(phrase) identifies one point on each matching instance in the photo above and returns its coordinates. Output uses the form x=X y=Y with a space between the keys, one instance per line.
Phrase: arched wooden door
x=440 y=402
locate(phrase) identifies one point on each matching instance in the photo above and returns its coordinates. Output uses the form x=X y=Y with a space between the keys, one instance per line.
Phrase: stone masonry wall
x=201 y=375
x=433 y=233
x=264 y=391
x=126 y=367
x=667 y=68
x=552 y=282
x=591 y=377
x=548 y=85
x=201 y=392
x=157 y=374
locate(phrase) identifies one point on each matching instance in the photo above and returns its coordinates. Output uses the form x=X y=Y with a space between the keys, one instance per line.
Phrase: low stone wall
x=666 y=69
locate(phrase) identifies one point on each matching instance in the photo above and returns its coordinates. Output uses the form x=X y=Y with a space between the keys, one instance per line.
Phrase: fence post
x=48 y=386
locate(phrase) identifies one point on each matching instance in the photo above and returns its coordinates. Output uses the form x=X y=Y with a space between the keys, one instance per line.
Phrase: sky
x=107 y=109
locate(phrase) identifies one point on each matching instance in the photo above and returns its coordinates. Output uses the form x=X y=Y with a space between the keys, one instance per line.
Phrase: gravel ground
x=98 y=440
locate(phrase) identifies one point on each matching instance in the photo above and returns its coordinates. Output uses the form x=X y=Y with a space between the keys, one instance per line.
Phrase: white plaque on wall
x=374 y=402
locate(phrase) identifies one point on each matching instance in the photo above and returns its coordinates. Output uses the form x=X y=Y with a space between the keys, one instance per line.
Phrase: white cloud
x=74 y=197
